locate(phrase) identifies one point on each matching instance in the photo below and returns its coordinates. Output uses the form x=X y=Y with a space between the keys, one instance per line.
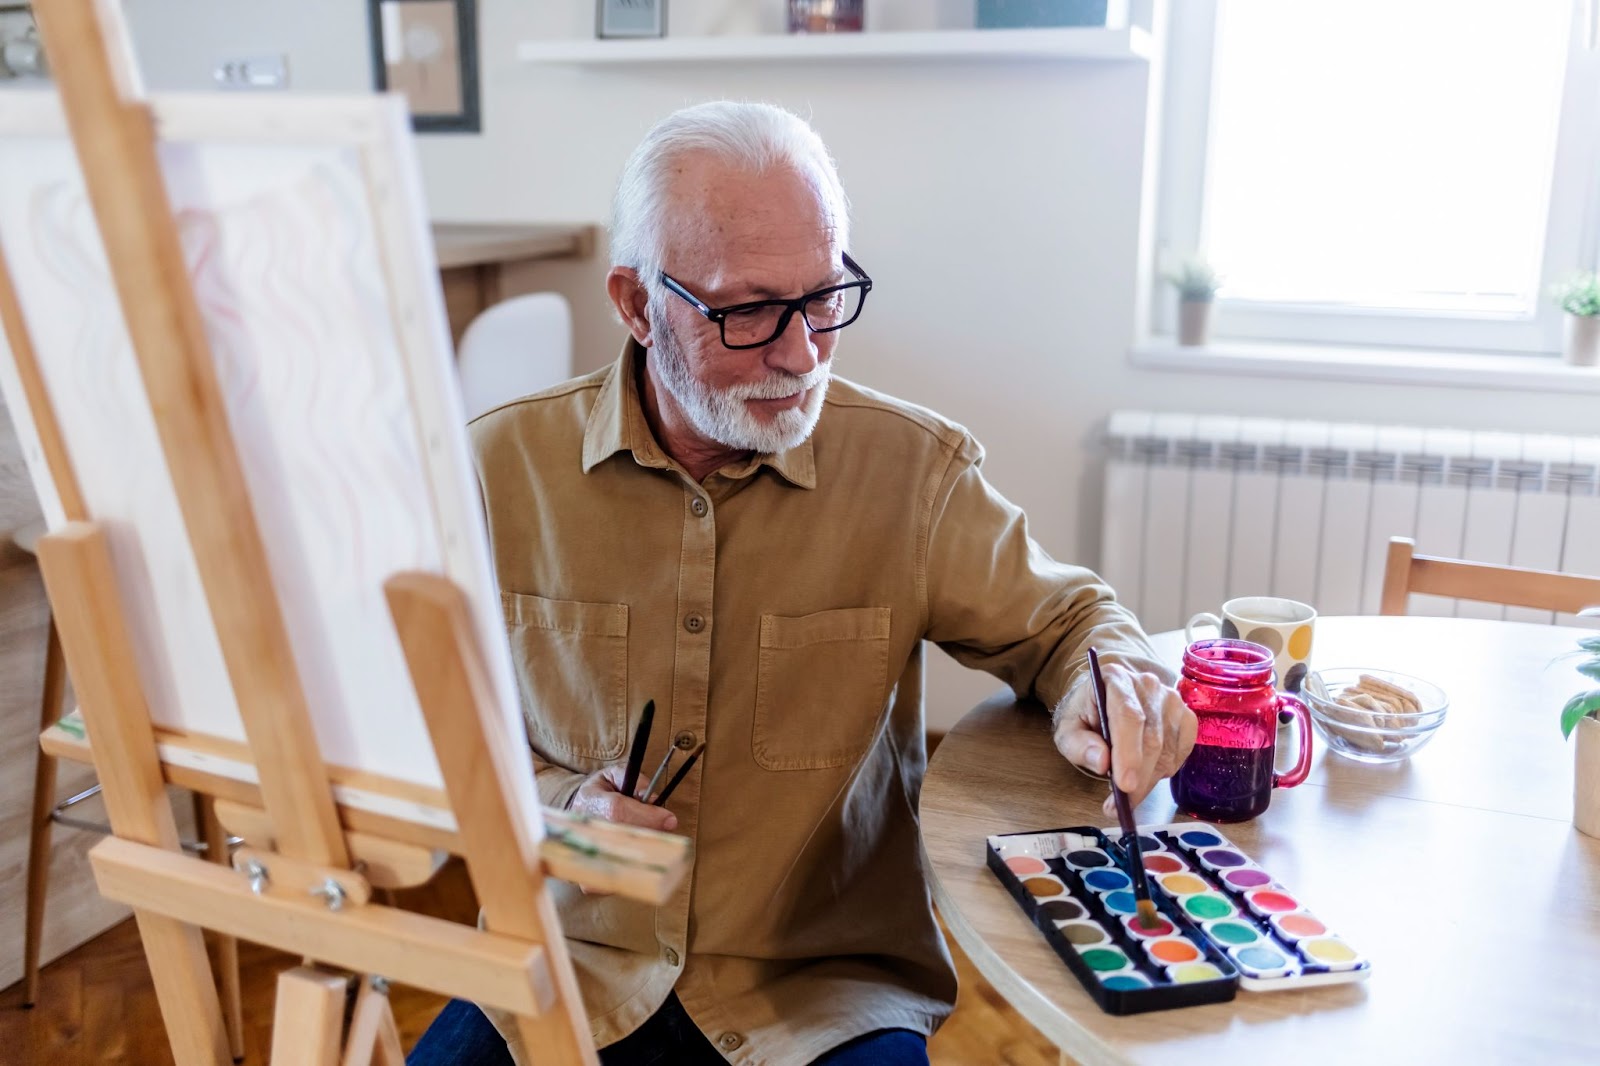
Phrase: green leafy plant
x=1579 y=295
x=1193 y=277
x=1584 y=703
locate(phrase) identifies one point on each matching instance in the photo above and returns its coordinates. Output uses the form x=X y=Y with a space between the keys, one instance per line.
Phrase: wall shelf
x=1093 y=43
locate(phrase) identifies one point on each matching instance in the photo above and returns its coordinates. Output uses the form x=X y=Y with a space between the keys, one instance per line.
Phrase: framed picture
x=428 y=50
x=630 y=18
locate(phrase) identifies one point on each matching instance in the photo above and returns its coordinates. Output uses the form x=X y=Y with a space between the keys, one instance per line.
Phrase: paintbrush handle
x=641 y=741
x=683 y=771
x=1130 y=828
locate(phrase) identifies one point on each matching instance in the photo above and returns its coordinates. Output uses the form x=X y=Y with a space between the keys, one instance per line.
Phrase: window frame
x=1572 y=218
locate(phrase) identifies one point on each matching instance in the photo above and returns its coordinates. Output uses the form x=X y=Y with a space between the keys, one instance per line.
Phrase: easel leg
x=309 y=1018
x=40 y=829
x=182 y=976
x=374 y=1040
x=216 y=839
x=76 y=563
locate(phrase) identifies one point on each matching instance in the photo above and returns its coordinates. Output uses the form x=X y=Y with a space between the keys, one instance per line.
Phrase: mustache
x=780 y=384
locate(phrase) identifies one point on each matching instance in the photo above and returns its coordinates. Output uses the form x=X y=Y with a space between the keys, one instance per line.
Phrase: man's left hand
x=1151 y=730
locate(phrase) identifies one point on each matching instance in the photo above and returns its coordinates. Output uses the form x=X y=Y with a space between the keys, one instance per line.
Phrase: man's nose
x=795 y=350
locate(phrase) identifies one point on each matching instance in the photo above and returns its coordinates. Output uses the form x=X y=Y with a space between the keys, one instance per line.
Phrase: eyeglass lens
x=758 y=325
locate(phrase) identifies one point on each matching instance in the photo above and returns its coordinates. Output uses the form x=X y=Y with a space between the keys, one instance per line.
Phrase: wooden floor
x=97 y=1007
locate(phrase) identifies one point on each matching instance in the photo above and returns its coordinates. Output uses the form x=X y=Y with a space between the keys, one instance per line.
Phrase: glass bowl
x=1368 y=734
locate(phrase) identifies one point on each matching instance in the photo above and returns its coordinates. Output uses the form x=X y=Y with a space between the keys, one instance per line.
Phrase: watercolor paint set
x=1225 y=922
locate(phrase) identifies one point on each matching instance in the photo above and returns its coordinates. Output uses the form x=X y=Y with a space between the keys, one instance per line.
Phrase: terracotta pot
x=1194 y=318
x=1586 y=778
x=1582 y=347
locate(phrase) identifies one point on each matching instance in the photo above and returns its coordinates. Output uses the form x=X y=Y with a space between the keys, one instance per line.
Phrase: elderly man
x=716 y=523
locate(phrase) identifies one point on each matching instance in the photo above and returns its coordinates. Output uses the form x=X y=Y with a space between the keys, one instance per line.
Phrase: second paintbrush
x=683 y=771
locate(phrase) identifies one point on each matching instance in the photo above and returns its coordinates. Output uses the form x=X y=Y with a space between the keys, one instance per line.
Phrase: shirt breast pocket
x=821 y=684
x=571 y=659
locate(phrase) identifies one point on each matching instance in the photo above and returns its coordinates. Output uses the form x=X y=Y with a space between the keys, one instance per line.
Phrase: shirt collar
x=617 y=423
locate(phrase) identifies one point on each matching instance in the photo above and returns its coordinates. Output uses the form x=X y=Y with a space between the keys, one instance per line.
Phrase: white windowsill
x=1399 y=366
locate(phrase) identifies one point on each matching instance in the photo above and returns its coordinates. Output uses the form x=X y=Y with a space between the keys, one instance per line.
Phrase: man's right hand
x=600 y=796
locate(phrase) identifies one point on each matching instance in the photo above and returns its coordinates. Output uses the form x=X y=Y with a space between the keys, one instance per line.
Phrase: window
x=1387 y=172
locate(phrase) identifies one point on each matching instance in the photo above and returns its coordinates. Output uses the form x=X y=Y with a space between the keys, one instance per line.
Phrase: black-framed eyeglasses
x=760 y=322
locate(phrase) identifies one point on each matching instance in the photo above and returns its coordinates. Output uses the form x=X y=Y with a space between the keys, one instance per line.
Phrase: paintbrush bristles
x=1148 y=918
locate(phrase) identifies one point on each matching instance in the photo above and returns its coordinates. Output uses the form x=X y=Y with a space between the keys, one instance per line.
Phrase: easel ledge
x=400 y=852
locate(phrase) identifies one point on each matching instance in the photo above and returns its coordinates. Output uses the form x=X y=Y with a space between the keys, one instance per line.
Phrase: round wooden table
x=1457 y=872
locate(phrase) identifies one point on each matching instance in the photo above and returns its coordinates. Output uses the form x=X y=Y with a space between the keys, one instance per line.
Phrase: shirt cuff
x=557 y=786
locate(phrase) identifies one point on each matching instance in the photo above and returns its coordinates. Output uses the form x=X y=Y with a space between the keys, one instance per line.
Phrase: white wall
x=997 y=208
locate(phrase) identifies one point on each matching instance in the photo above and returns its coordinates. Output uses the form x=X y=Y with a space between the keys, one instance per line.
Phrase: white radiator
x=1201 y=508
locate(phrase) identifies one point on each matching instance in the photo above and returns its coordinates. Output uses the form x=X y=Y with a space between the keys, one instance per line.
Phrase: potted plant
x=1579 y=297
x=1197 y=283
x=1581 y=715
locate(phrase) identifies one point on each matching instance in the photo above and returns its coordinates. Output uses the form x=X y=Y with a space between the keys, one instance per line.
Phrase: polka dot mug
x=1281 y=626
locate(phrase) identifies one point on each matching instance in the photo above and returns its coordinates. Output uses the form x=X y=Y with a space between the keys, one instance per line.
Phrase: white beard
x=720 y=415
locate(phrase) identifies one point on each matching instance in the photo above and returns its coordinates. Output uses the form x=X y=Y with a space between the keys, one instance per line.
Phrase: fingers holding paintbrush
x=1148 y=918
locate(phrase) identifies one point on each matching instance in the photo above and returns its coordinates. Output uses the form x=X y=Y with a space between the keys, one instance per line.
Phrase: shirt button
x=694 y=623
x=672 y=957
x=729 y=1041
x=684 y=740
x=698 y=506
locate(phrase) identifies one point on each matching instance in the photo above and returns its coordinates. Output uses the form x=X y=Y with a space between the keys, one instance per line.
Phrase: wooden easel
x=304 y=882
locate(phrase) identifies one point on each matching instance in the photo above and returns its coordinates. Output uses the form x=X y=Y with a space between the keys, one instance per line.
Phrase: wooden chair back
x=1543 y=590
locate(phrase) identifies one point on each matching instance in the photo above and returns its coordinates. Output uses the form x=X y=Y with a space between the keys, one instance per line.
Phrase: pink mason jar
x=1229 y=776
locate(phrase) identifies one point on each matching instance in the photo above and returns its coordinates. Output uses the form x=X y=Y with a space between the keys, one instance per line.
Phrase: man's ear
x=631 y=301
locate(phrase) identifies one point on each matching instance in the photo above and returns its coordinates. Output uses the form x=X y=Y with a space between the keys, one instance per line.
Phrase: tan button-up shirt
x=777 y=612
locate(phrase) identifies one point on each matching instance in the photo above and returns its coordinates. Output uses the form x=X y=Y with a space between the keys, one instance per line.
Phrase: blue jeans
x=462 y=1036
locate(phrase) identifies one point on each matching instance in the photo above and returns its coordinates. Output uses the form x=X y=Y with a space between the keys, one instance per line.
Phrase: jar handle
x=1302 y=765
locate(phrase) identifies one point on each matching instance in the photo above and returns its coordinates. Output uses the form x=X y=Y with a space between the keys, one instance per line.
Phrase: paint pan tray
x=1232 y=923
x=1074 y=885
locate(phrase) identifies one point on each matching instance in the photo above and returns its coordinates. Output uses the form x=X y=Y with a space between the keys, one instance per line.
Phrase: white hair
x=752 y=136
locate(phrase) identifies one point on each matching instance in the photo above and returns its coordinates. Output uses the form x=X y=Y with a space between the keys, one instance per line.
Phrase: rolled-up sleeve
x=996 y=601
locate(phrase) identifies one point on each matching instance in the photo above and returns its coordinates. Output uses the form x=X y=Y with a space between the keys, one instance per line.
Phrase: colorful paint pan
x=1163 y=928
x=1296 y=926
x=1172 y=950
x=1086 y=859
x=1247 y=877
x=1044 y=886
x=1106 y=880
x=1269 y=901
x=1122 y=902
x=1330 y=952
x=1150 y=843
x=1182 y=884
x=1083 y=934
x=1125 y=982
x=1200 y=838
x=1192 y=972
x=1205 y=906
x=1231 y=932
x=1222 y=859
x=1262 y=962
x=1063 y=910
x=1163 y=863
x=1026 y=866
x=1106 y=960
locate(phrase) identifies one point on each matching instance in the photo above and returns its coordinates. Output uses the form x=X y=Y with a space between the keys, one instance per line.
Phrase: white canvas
x=305 y=234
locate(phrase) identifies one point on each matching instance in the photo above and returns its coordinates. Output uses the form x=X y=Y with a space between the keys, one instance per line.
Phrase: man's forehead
x=716 y=206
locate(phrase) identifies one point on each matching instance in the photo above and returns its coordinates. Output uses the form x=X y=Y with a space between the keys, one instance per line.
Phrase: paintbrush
x=1148 y=918
x=683 y=771
x=661 y=772
x=641 y=740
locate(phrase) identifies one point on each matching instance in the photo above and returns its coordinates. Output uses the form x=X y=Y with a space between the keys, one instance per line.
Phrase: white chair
x=515 y=348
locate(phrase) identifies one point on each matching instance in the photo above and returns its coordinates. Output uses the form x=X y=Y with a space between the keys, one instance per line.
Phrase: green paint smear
x=1105 y=959
x=1233 y=933
x=1207 y=907
x=72 y=725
